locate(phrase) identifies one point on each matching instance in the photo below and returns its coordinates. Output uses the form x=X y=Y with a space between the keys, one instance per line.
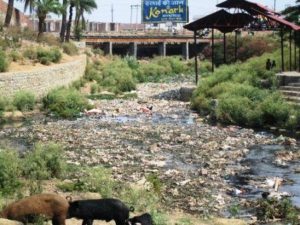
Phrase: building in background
x=18 y=17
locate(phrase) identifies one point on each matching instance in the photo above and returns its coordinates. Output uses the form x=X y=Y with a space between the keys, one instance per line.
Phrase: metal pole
x=224 y=47
x=196 y=56
x=282 y=50
x=212 y=51
x=295 y=50
x=290 y=50
x=235 y=47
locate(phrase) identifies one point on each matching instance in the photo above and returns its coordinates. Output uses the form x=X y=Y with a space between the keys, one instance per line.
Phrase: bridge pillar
x=162 y=49
x=133 y=48
x=186 y=51
x=108 y=48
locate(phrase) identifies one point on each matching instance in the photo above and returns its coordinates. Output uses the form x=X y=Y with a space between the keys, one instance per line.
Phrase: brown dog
x=51 y=206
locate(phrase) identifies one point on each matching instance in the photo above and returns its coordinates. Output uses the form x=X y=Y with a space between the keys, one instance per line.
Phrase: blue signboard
x=161 y=11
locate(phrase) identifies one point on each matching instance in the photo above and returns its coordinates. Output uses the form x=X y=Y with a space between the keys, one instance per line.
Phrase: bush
x=14 y=55
x=10 y=171
x=24 y=101
x=30 y=53
x=70 y=48
x=66 y=103
x=3 y=104
x=47 y=56
x=44 y=162
x=3 y=62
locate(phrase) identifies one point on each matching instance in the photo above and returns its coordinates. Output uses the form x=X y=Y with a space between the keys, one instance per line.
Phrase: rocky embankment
x=191 y=157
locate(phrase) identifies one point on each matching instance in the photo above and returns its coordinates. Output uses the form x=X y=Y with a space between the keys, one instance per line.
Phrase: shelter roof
x=256 y=9
x=221 y=20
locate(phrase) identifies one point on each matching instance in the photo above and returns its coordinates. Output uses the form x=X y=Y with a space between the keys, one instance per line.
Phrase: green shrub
x=3 y=62
x=67 y=103
x=3 y=104
x=14 y=55
x=159 y=218
x=10 y=171
x=94 y=88
x=47 y=56
x=24 y=101
x=30 y=53
x=70 y=48
x=44 y=162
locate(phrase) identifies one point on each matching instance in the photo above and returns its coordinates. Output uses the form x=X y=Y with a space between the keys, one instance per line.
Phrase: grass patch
x=70 y=48
x=24 y=101
x=4 y=63
x=66 y=103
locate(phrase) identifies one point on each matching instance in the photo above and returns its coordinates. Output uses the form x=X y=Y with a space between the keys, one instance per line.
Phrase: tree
x=292 y=13
x=81 y=6
x=64 y=21
x=9 y=12
x=43 y=7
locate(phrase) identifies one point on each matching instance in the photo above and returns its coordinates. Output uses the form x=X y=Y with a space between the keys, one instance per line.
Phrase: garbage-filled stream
x=203 y=167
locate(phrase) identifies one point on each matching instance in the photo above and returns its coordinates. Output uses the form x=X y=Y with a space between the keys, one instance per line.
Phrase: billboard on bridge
x=161 y=11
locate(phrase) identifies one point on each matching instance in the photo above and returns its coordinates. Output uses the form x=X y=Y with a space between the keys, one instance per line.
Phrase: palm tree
x=9 y=12
x=43 y=7
x=82 y=6
x=64 y=21
x=293 y=13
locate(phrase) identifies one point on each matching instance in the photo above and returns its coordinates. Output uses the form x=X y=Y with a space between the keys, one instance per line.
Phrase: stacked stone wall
x=41 y=81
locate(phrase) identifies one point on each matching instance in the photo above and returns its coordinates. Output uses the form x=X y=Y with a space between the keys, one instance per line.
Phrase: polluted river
x=205 y=169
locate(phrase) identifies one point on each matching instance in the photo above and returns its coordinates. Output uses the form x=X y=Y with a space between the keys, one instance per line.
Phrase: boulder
x=186 y=93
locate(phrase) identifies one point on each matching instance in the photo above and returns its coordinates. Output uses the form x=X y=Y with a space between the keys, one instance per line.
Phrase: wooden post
x=196 y=56
x=282 y=50
x=212 y=51
x=224 y=47
x=290 y=49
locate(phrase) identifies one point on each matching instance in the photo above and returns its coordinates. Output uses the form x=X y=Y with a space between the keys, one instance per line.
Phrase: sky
x=122 y=9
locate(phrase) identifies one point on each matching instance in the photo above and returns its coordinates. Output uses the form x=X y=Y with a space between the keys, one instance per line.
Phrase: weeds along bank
x=245 y=94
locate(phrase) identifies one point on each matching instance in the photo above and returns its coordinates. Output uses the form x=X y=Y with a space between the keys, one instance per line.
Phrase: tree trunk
x=69 y=22
x=63 y=22
x=41 y=26
x=9 y=12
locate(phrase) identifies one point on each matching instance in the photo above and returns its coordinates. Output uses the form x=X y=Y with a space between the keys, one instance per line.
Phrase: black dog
x=144 y=219
x=100 y=209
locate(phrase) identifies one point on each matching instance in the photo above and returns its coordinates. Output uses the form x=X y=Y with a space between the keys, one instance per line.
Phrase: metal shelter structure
x=245 y=12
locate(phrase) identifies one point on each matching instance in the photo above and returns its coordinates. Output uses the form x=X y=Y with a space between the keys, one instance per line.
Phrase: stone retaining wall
x=41 y=81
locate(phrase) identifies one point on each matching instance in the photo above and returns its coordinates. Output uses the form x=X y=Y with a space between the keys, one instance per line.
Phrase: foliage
x=159 y=218
x=273 y=208
x=3 y=61
x=10 y=171
x=155 y=182
x=24 y=100
x=49 y=39
x=247 y=47
x=14 y=55
x=45 y=161
x=3 y=104
x=66 y=103
x=70 y=48
x=47 y=56
x=238 y=94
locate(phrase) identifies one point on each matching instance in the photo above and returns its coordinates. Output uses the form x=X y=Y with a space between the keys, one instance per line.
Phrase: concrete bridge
x=147 y=46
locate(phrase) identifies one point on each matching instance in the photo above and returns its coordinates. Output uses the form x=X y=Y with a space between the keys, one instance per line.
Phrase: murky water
x=261 y=160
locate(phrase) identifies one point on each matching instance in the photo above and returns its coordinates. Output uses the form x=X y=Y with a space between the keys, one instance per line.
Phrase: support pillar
x=185 y=51
x=108 y=48
x=290 y=50
x=213 y=50
x=282 y=50
x=224 y=47
x=133 y=48
x=196 y=56
x=162 y=49
x=295 y=50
